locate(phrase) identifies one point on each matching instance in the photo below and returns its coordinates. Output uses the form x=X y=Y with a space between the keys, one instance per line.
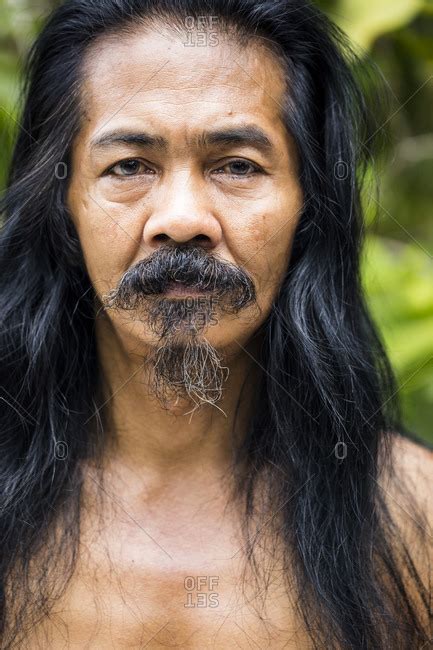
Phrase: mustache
x=229 y=285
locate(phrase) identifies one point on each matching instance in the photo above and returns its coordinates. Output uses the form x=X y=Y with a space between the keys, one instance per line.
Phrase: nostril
x=202 y=239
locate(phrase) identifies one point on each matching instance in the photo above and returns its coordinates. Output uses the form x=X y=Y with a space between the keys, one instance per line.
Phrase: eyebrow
x=248 y=135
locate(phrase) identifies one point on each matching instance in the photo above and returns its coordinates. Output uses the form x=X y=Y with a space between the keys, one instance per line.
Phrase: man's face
x=238 y=202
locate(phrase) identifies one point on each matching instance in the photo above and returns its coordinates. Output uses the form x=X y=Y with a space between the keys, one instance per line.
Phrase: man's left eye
x=240 y=168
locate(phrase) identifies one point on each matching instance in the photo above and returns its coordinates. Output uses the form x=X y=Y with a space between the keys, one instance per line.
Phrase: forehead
x=161 y=80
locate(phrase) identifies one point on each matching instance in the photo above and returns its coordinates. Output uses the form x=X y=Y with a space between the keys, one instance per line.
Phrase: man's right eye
x=128 y=167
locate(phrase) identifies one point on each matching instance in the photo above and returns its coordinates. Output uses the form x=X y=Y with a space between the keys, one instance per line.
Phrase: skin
x=165 y=516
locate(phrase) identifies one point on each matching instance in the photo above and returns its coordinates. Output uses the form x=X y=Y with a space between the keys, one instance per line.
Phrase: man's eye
x=129 y=167
x=239 y=168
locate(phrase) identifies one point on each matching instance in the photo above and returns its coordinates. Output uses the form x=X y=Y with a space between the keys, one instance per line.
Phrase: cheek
x=108 y=244
x=108 y=255
x=266 y=246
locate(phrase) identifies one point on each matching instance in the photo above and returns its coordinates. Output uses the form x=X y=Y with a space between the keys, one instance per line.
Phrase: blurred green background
x=398 y=257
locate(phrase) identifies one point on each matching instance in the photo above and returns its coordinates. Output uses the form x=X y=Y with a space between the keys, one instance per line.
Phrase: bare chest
x=137 y=588
x=199 y=611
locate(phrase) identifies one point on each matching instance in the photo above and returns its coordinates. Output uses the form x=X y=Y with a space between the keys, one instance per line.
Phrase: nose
x=181 y=212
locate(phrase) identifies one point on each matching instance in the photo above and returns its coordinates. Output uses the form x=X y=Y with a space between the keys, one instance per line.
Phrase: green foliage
x=397 y=263
x=366 y=20
x=398 y=279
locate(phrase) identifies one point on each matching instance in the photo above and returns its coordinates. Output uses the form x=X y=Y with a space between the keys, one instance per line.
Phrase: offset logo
x=201 y=591
x=201 y=31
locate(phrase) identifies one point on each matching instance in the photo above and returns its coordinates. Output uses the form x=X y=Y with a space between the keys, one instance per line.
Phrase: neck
x=173 y=440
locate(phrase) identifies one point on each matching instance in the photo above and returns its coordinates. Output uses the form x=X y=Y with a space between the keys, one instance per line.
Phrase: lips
x=178 y=288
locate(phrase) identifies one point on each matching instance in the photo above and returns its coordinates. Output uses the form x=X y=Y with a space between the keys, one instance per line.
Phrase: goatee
x=184 y=364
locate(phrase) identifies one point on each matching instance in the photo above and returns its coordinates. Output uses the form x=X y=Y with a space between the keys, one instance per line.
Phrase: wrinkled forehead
x=150 y=75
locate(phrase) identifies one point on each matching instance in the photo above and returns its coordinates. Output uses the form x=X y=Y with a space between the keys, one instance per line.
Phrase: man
x=199 y=423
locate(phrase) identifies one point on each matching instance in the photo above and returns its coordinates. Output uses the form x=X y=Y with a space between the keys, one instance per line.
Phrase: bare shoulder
x=407 y=493
x=413 y=462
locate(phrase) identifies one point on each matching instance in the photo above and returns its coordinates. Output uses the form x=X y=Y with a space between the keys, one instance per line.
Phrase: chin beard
x=190 y=370
x=184 y=364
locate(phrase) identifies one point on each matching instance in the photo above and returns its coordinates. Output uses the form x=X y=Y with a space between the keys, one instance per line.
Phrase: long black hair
x=327 y=406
